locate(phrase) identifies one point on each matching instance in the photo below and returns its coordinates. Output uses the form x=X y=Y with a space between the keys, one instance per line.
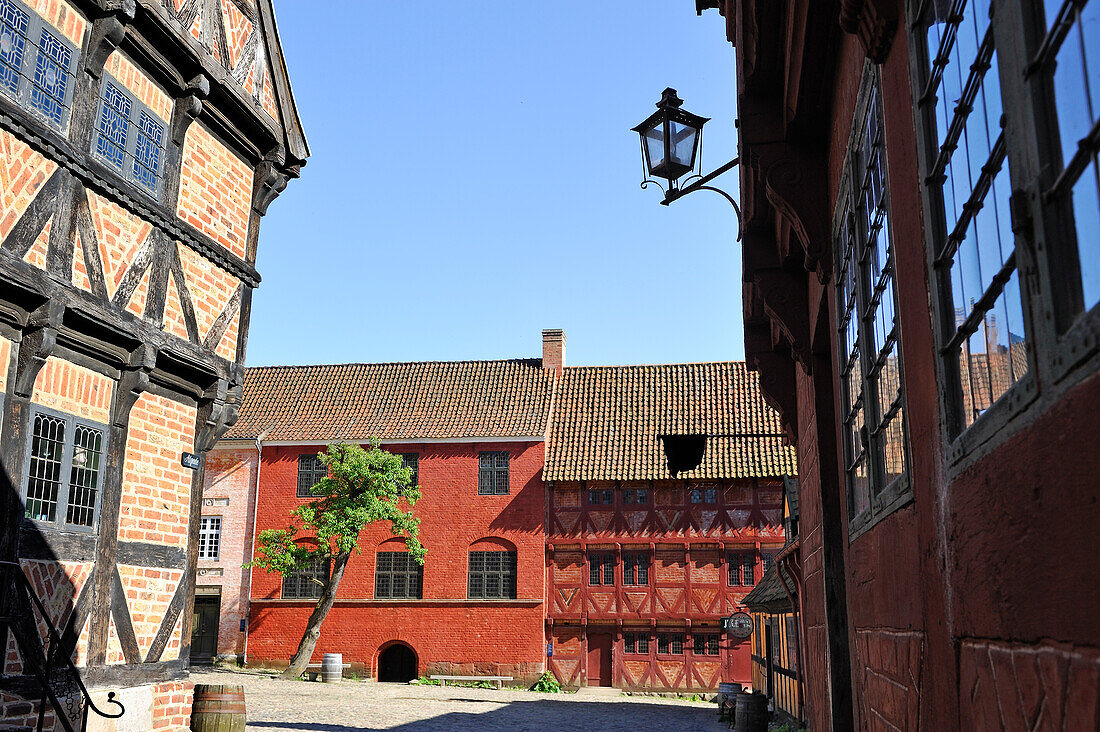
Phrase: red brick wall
x=453 y=518
x=230 y=476
x=73 y=389
x=215 y=190
x=172 y=706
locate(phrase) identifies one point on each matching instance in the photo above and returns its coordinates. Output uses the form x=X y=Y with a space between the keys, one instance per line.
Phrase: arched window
x=492 y=573
x=397 y=576
x=306 y=583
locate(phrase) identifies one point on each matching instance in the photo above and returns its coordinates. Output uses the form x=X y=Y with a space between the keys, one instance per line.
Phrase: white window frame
x=210 y=538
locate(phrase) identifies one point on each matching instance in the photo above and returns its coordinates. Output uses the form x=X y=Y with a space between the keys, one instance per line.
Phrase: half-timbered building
x=140 y=144
x=642 y=563
x=554 y=529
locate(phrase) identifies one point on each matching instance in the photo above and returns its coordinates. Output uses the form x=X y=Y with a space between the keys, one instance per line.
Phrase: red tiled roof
x=607 y=420
x=393 y=401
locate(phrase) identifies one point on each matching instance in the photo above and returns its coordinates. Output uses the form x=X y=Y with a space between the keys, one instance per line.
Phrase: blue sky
x=474 y=180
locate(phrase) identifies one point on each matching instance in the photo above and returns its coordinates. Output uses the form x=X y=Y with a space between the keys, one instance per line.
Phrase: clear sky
x=474 y=180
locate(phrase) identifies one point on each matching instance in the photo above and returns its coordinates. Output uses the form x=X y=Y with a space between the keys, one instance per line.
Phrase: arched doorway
x=397 y=663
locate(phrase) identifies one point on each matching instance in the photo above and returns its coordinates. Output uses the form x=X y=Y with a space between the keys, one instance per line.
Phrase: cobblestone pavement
x=302 y=706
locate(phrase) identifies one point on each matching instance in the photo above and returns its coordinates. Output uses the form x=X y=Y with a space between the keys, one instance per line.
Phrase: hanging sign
x=738 y=625
x=190 y=460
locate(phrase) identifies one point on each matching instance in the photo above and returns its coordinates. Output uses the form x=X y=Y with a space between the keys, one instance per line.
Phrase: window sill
x=991 y=428
x=1075 y=347
x=896 y=495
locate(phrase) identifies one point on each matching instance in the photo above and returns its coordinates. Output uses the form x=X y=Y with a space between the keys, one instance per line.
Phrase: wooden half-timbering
x=685 y=533
x=124 y=308
x=775 y=661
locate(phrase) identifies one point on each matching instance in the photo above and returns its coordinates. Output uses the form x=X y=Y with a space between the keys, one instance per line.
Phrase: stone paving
x=302 y=706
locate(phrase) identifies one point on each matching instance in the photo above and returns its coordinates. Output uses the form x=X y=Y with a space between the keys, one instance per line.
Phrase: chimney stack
x=553 y=349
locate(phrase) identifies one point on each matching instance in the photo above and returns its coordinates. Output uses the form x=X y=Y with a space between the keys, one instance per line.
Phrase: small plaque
x=549 y=650
x=738 y=625
x=190 y=460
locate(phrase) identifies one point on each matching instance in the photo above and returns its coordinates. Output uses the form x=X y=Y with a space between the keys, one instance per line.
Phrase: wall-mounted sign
x=738 y=625
x=549 y=650
x=190 y=460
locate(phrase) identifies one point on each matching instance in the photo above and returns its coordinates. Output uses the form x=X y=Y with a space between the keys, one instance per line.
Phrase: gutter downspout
x=252 y=543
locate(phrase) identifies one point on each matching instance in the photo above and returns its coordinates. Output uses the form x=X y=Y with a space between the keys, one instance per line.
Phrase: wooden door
x=204 y=629
x=599 y=659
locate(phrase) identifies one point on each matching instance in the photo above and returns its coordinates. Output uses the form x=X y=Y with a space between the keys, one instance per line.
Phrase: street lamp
x=671 y=139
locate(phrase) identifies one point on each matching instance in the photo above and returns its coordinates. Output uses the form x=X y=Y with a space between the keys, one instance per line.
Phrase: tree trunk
x=313 y=628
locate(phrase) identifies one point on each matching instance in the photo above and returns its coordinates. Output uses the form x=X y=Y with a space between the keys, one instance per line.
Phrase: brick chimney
x=553 y=349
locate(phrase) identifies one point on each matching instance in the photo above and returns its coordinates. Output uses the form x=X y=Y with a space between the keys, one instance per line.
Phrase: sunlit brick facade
x=140 y=145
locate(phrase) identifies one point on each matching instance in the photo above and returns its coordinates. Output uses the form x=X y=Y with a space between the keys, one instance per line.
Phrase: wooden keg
x=218 y=708
x=332 y=668
x=752 y=713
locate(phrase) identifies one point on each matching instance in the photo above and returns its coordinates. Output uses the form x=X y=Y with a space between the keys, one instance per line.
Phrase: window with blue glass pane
x=13 y=39
x=147 y=152
x=51 y=77
x=114 y=123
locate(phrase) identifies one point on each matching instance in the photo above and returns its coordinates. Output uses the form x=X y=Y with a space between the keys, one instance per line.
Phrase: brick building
x=140 y=144
x=535 y=479
x=921 y=218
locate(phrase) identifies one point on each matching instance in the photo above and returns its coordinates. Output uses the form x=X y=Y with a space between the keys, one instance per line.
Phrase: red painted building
x=541 y=537
x=921 y=218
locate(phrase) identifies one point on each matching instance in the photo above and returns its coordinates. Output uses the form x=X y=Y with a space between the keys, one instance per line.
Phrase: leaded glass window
x=307 y=582
x=210 y=537
x=705 y=644
x=976 y=267
x=740 y=568
x=703 y=495
x=37 y=63
x=411 y=460
x=670 y=643
x=129 y=137
x=492 y=575
x=397 y=575
x=492 y=477
x=767 y=559
x=601 y=569
x=63 y=470
x=636 y=643
x=310 y=472
x=636 y=568
x=603 y=497
x=872 y=393
x=1070 y=57
x=635 y=496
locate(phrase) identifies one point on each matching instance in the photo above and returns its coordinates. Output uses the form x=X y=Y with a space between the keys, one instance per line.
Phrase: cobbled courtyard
x=351 y=706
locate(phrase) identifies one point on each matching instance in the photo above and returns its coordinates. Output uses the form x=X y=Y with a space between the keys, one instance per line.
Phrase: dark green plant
x=364 y=486
x=547 y=684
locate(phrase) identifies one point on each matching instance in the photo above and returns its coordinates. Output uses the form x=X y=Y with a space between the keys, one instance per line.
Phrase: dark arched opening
x=397 y=663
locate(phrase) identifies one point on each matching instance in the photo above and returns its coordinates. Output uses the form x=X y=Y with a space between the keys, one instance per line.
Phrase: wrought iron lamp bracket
x=674 y=193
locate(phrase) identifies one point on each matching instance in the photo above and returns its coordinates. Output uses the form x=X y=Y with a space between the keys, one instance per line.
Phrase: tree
x=364 y=486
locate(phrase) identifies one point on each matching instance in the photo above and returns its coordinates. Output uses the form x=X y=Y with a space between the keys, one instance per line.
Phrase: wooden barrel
x=725 y=692
x=752 y=713
x=218 y=708
x=332 y=668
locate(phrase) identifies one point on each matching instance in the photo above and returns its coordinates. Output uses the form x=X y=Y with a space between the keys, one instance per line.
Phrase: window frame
x=510 y=566
x=739 y=562
x=636 y=563
x=213 y=537
x=133 y=132
x=670 y=639
x=637 y=639
x=314 y=470
x=413 y=574
x=325 y=569
x=636 y=494
x=411 y=460
x=883 y=497
x=708 y=641
x=71 y=423
x=22 y=97
x=488 y=475
x=599 y=562
x=604 y=496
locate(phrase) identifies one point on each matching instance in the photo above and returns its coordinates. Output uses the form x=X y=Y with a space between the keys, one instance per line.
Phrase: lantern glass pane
x=655 y=147
x=683 y=144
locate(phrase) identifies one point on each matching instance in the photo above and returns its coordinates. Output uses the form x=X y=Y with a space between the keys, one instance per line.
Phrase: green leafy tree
x=364 y=486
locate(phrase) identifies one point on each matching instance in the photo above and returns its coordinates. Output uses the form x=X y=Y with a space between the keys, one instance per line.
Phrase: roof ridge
x=531 y=360
x=656 y=365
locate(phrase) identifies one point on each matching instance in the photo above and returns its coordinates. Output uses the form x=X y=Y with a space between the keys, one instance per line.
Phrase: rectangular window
x=705 y=644
x=411 y=460
x=492 y=575
x=670 y=643
x=398 y=576
x=492 y=475
x=636 y=569
x=703 y=495
x=37 y=64
x=740 y=568
x=767 y=559
x=601 y=569
x=603 y=497
x=63 y=470
x=307 y=582
x=636 y=643
x=872 y=394
x=210 y=537
x=310 y=472
x=635 y=496
x=129 y=137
